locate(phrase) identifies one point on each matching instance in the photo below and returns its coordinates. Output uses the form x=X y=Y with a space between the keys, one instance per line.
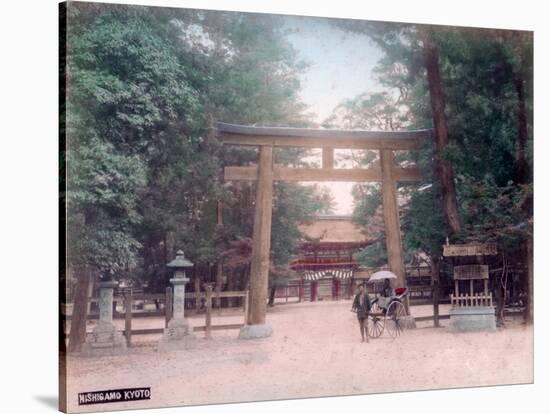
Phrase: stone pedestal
x=407 y=322
x=178 y=334
x=105 y=339
x=472 y=318
x=255 y=331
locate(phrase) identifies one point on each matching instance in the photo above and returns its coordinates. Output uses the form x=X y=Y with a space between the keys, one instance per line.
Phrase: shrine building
x=325 y=263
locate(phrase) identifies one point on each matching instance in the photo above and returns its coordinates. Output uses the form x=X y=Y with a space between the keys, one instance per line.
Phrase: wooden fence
x=130 y=299
x=292 y=290
x=207 y=328
x=200 y=296
x=475 y=299
x=420 y=293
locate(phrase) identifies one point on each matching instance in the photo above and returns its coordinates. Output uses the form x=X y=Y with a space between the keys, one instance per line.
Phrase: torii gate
x=328 y=139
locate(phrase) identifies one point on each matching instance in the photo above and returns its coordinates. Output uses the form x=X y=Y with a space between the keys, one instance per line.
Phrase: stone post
x=106 y=301
x=208 y=321
x=105 y=339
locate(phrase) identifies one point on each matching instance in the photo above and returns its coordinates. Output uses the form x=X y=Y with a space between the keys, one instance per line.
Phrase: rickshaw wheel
x=396 y=311
x=375 y=322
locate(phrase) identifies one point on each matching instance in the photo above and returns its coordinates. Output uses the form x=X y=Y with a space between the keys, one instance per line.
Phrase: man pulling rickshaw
x=386 y=310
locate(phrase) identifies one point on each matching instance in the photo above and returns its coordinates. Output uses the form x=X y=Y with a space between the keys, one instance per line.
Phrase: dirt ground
x=315 y=351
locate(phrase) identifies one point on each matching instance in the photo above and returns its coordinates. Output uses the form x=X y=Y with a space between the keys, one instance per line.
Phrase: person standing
x=361 y=305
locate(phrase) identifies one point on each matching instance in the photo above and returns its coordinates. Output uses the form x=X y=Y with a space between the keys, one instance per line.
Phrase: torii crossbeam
x=328 y=139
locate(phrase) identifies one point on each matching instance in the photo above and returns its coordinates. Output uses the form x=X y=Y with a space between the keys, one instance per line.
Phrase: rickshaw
x=386 y=313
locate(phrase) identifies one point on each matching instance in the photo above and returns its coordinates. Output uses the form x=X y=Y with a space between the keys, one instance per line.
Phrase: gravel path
x=315 y=351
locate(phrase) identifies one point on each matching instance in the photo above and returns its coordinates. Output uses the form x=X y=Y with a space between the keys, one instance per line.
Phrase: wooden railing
x=292 y=290
x=197 y=300
x=475 y=299
x=129 y=298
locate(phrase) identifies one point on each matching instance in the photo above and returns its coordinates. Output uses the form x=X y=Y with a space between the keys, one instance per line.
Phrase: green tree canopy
x=487 y=79
x=144 y=87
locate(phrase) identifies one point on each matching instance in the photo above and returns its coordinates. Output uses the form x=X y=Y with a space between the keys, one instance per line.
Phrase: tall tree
x=437 y=100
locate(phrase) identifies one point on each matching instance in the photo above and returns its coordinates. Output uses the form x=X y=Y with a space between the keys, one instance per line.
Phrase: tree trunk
x=437 y=98
x=219 y=281
x=500 y=291
x=197 y=282
x=521 y=164
x=165 y=249
x=77 y=335
x=231 y=285
x=272 y=291
x=530 y=290
x=435 y=289
x=219 y=265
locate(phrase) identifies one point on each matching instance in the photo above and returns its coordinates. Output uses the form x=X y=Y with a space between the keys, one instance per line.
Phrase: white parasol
x=381 y=275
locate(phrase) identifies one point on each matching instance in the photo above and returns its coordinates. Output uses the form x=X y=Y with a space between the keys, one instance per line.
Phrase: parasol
x=381 y=275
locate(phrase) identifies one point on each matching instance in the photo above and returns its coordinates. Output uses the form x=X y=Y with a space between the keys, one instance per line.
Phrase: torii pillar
x=256 y=326
x=391 y=217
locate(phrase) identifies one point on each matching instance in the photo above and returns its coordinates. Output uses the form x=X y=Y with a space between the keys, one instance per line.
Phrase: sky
x=340 y=67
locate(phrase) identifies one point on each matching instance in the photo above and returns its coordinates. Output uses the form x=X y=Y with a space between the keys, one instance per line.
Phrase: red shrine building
x=326 y=264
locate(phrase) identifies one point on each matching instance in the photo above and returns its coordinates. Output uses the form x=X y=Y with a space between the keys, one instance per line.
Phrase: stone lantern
x=178 y=333
x=105 y=339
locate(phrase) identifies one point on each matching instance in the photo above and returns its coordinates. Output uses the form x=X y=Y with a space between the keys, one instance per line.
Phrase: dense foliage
x=487 y=82
x=144 y=86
